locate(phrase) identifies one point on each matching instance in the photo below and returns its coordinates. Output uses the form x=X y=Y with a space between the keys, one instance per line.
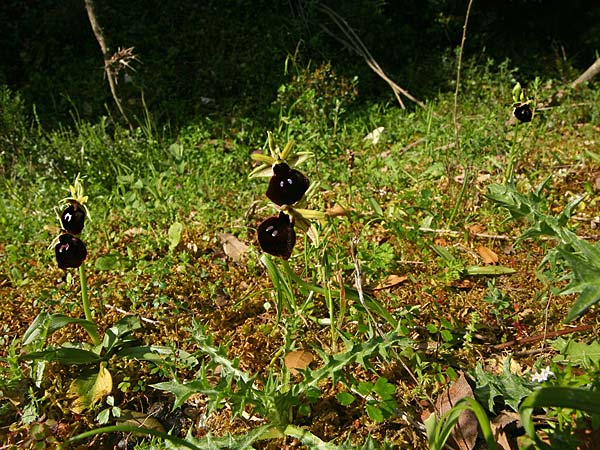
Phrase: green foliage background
x=233 y=52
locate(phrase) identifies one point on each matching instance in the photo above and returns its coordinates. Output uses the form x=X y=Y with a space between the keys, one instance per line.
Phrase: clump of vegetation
x=406 y=278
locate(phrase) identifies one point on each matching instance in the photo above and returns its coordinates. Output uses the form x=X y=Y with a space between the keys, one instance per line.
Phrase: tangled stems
x=86 y=305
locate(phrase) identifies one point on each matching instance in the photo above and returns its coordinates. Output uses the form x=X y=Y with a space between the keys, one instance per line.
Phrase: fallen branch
x=122 y=311
x=108 y=59
x=541 y=337
x=590 y=73
x=354 y=43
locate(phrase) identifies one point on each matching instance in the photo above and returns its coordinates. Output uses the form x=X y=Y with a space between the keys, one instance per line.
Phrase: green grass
x=405 y=216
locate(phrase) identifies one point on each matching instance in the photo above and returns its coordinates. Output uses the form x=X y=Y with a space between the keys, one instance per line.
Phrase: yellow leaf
x=89 y=389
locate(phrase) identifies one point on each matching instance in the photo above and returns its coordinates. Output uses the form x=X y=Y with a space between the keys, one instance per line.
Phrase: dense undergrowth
x=416 y=279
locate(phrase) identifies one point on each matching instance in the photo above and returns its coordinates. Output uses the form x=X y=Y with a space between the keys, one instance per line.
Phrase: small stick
x=540 y=337
x=122 y=311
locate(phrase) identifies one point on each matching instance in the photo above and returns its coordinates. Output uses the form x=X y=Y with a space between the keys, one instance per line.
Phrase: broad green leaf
x=374 y=413
x=64 y=355
x=113 y=261
x=345 y=398
x=561 y=397
x=174 y=235
x=577 y=353
x=384 y=389
x=45 y=324
x=37 y=329
x=89 y=389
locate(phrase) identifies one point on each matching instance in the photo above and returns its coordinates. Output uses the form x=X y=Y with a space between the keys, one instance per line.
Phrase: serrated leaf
x=384 y=389
x=511 y=388
x=157 y=353
x=374 y=413
x=182 y=391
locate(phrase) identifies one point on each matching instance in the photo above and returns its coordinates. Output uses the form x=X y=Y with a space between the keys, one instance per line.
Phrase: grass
x=215 y=331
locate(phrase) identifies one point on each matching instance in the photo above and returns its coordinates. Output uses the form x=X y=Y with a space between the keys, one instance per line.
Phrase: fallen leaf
x=374 y=135
x=89 y=388
x=336 y=211
x=138 y=419
x=476 y=228
x=488 y=256
x=390 y=281
x=298 y=359
x=232 y=246
x=499 y=424
x=464 y=434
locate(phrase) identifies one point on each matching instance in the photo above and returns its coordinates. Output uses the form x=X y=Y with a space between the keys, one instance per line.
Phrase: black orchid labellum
x=287 y=185
x=70 y=251
x=521 y=106
x=276 y=235
x=523 y=112
x=72 y=217
x=74 y=212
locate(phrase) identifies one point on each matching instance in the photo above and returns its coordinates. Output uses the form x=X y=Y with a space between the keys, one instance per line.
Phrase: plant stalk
x=86 y=305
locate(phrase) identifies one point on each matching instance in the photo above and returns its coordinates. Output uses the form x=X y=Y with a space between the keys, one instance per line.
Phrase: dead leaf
x=476 y=229
x=465 y=432
x=374 y=135
x=89 y=388
x=499 y=425
x=390 y=281
x=488 y=255
x=298 y=359
x=336 y=211
x=232 y=246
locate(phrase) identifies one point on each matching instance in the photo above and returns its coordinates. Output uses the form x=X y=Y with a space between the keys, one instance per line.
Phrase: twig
x=353 y=42
x=541 y=337
x=122 y=311
x=97 y=30
x=499 y=237
x=458 y=68
x=407 y=147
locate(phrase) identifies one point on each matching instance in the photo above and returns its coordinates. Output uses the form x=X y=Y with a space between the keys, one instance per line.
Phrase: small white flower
x=540 y=377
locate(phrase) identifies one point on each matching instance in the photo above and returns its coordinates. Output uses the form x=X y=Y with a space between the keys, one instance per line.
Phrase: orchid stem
x=86 y=305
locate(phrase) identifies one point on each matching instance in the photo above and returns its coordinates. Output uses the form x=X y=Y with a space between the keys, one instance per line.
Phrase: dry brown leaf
x=298 y=359
x=390 y=281
x=488 y=256
x=232 y=246
x=499 y=423
x=336 y=211
x=465 y=432
x=476 y=228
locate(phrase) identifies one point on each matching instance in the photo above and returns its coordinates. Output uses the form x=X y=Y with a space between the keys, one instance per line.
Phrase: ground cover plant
x=368 y=278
